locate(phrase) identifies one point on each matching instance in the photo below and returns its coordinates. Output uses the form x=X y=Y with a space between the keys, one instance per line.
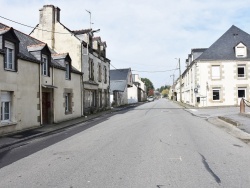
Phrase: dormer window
x=67 y=73
x=9 y=63
x=45 y=65
x=241 y=51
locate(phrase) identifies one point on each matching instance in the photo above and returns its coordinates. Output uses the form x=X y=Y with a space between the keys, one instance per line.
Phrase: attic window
x=241 y=51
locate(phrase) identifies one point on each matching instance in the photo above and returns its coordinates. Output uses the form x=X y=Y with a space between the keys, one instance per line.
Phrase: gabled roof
x=223 y=48
x=119 y=74
x=118 y=85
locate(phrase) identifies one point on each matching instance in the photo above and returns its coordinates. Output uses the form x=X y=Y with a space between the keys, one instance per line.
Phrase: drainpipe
x=53 y=104
x=81 y=82
x=40 y=95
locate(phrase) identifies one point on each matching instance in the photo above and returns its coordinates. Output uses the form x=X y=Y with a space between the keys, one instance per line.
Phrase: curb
x=228 y=120
x=49 y=132
x=66 y=126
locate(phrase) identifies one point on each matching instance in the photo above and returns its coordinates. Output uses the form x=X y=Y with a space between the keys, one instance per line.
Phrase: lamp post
x=179 y=61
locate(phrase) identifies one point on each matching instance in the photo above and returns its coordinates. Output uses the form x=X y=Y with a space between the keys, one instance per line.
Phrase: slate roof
x=223 y=48
x=28 y=43
x=118 y=85
x=119 y=74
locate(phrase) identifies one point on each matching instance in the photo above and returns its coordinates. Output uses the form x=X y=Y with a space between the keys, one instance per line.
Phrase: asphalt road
x=157 y=144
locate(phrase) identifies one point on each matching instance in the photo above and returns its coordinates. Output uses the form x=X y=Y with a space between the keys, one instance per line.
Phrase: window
x=105 y=74
x=90 y=98
x=9 y=56
x=5 y=106
x=216 y=94
x=241 y=51
x=216 y=72
x=67 y=95
x=44 y=65
x=241 y=92
x=241 y=71
x=99 y=73
x=91 y=69
x=67 y=73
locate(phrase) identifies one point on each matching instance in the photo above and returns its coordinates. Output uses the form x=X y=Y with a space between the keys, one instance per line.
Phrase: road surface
x=157 y=144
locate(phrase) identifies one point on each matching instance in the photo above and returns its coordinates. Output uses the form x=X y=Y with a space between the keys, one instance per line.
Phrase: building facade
x=88 y=55
x=37 y=85
x=219 y=75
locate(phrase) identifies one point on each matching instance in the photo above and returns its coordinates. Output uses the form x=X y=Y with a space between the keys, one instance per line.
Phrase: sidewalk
x=230 y=115
x=11 y=139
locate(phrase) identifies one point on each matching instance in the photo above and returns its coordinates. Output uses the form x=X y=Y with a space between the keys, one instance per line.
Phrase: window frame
x=105 y=74
x=219 y=92
x=99 y=72
x=214 y=77
x=67 y=107
x=45 y=65
x=5 y=100
x=244 y=67
x=67 y=72
x=9 y=47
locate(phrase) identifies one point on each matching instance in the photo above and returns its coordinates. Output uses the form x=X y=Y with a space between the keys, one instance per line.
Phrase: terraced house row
x=48 y=77
x=218 y=75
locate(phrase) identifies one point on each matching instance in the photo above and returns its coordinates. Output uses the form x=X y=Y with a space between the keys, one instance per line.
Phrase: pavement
x=230 y=115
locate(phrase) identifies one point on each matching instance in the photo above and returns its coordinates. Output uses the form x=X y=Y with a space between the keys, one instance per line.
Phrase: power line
x=155 y=71
x=33 y=27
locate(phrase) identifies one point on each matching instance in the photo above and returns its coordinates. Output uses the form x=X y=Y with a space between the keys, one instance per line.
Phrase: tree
x=148 y=84
x=163 y=87
x=165 y=92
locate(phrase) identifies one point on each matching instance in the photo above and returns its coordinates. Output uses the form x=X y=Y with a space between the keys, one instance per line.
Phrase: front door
x=45 y=107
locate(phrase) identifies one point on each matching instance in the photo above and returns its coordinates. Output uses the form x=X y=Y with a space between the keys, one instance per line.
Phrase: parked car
x=150 y=99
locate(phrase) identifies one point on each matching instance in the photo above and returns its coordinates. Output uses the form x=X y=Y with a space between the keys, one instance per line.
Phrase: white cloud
x=142 y=34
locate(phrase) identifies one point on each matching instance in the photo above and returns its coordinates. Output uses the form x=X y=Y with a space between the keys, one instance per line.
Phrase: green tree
x=163 y=87
x=148 y=84
x=165 y=92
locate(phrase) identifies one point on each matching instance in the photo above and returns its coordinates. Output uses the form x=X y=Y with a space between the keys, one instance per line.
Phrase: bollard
x=242 y=106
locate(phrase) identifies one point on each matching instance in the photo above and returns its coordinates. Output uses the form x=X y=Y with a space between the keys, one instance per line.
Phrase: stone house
x=37 y=85
x=88 y=54
x=219 y=75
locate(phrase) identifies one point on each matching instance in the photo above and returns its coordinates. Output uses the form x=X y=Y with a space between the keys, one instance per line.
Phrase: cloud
x=142 y=34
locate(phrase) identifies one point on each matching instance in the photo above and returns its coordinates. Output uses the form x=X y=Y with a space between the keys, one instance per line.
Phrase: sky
x=148 y=36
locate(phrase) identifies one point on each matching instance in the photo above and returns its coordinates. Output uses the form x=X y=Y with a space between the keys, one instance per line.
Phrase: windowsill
x=67 y=113
x=7 y=123
x=241 y=78
x=12 y=70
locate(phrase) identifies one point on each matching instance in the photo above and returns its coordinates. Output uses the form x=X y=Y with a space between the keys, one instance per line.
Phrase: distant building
x=120 y=81
x=219 y=75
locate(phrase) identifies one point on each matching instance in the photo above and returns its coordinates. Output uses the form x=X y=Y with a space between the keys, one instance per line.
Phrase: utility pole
x=180 y=79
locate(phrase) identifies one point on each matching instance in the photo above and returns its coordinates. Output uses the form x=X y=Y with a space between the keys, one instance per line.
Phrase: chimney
x=57 y=14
